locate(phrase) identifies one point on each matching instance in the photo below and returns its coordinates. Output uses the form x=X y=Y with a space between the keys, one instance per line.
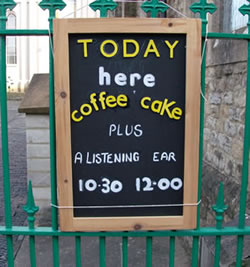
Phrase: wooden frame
x=192 y=29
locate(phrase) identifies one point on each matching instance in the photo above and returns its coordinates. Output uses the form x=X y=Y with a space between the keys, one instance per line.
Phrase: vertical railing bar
x=10 y=251
x=31 y=209
x=5 y=146
x=171 y=251
x=78 y=254
x=55 y=240
x=240 y=242
x=52 y=134
x=217 y=251
x=32 y=251
x=219 y=209
x=125 y=251
x=244 y=181
x=102 y=251
x=195 y=248
x=149 y=243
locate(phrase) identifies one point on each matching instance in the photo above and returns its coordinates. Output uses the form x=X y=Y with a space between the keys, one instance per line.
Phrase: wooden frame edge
x=192 y=28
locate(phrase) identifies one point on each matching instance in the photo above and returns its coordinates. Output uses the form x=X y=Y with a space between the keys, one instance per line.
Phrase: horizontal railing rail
x=203 y=231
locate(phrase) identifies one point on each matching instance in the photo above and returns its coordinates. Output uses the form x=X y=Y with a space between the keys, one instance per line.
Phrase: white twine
x=177 y=11
x=50 y=42
x=71 y=13
x=202 y=57
x=127 y=1
x=126 y=206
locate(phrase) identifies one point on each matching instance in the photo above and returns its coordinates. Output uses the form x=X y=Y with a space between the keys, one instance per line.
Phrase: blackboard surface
x=154 y=142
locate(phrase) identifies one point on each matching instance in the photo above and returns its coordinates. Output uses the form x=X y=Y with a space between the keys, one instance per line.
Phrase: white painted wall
x=38 y=166
x=33 y=52
x=238 y=20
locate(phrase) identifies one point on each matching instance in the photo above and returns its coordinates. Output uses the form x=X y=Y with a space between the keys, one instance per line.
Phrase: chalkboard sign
x=127 y=123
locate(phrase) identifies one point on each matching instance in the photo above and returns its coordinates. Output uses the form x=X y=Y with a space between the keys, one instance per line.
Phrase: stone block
x=221 y=85
x=240 y=98
x=240 y=131
x=225 y=142
x=240 y=68
x=36 y=99
x=42 y=204
x=230 y=128
x=210 y=71
x=208 y=152
x=238 y=170
x=211 y=122
x=228 y=98
x=39 y=178
x=214 y=98
x=211 y=85
x=37 y=121
x=208 y=157
x=227 y=69
x=38 y=151
x=37 y=165
x=212 y=110
x=229 y=167
x=243 y=81
x=37 y=136
x=237 y=86
x=237 y=149
x=207 y=133
x=220 y=124
x=236 y=114
x=213 y=138
x=41 y=193
x=218 y=159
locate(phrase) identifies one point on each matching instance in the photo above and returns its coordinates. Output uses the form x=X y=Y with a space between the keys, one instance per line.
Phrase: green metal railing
x=153 y=7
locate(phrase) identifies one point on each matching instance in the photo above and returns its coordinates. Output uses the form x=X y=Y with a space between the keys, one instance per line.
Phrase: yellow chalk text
x=96 y=103
x=162 y=107
x=147 y=49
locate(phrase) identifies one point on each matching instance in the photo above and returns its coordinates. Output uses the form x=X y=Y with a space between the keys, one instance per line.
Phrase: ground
x=18 y=174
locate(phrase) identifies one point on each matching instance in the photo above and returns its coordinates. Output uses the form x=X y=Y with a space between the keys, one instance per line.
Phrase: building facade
x=29 y=55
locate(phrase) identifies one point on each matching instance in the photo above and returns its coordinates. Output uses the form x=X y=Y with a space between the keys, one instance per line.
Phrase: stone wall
x=224 y=122
x=224 y=117
x=224 y=111
x=181 y=6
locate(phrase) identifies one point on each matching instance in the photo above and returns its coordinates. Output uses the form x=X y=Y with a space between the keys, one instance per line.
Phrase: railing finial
x=154 y=7
x=52 y=6
x=245 y=10
x=4 y=5
x=30 y=208
x=103 y=6
x=220 y=207
x=203 y=8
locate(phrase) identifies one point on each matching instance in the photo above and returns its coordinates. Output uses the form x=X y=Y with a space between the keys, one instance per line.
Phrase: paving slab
x=90 y=252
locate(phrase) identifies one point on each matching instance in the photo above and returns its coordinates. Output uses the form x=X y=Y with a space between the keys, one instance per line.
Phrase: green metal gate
x=153 y=7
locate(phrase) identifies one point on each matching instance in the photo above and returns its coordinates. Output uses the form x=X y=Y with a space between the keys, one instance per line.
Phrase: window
x=238 y=20
x=11 y=40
